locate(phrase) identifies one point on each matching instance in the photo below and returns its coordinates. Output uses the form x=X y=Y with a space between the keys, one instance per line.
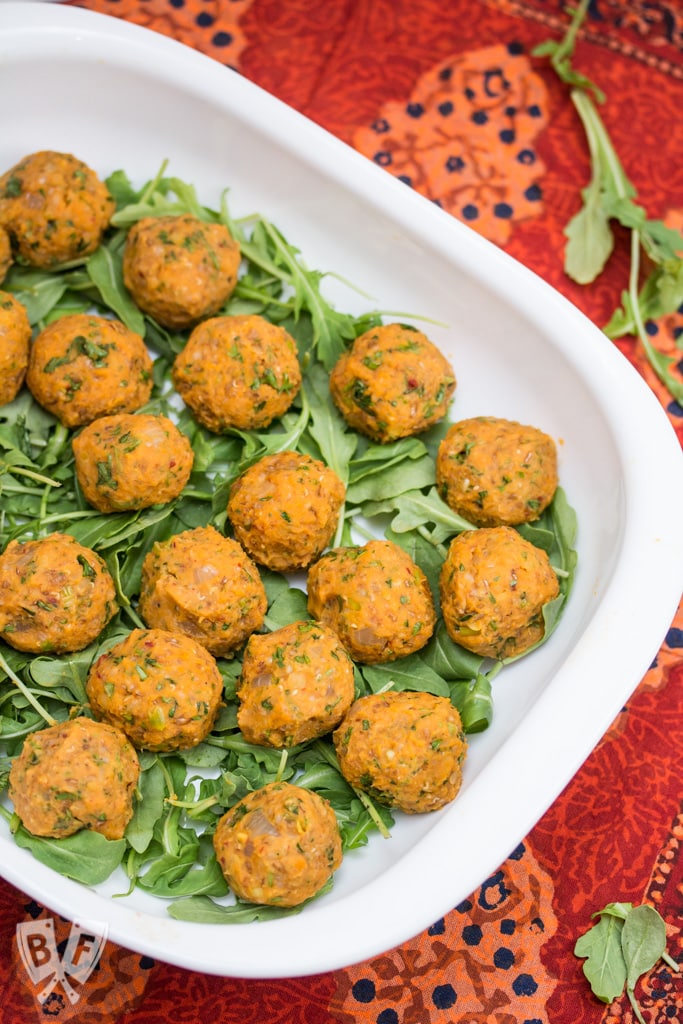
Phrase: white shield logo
x=38 y=950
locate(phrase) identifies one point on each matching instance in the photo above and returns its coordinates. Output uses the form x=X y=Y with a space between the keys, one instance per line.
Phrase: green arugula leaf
x=610 y=196
x=622 y=947
x=85 y=856
x=605 y=967
x=106 y=273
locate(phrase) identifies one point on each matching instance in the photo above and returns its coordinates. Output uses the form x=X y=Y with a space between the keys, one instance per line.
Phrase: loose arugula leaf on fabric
x=624 y=945
x=610 y=196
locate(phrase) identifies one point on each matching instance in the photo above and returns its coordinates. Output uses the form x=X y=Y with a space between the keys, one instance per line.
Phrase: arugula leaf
x=204 y=910
x=622 y=947
x=106 y=273
x=86 y=856
x=610 y=196
x=414 y=508
x=605 y=967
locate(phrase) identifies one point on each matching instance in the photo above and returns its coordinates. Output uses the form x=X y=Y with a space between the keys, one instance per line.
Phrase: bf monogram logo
x=38 y=950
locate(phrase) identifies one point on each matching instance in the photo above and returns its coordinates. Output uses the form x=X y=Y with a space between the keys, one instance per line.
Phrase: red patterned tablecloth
x=389 y=77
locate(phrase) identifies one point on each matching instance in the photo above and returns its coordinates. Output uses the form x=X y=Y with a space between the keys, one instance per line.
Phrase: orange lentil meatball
x=392 y=383
x=54 y=207
x=5 y=254
x=131 y=461
x=279 y=845
x=204 y=585
x=494 y=584
x=496 y=472
x=179 y=269
x=296 y=684
x=15 y=338
x=284 y=509
x=55 y=594
x=375 y=598
x=162 y=689
x=84 y=366
x=406 y=749
x=237 y=372
x=74 y=775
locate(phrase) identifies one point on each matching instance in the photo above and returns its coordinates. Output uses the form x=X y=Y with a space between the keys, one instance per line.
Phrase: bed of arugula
x=167 y=850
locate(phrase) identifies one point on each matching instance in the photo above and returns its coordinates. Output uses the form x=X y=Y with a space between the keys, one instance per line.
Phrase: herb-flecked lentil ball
x=494 y=584
x=15 y=339
x=405 y=748
x=179 y=269
x=5 y=254
x=162 y=689
x=83 y=366
x=55 y=595
x=375 y=598
x=54 y=207
x=74 y=775
x=131 y=460
x=204 y=585
x=296 y=685
x=496 y=472
x=237 y=372
x=284 y=509
x=392 y=383
x=279 y=845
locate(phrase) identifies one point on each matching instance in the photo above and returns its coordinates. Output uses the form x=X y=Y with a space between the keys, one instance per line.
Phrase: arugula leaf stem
x=634 y=1006
x=600 y=145
x=65 y=517
x=198 y=495
x=565 y=48
x=424 y=532
x=670 y=962
x=29 y=473
x=193 y=807
x=367 y=803
x=282 y=765
x=127 y=607
x=27 y=693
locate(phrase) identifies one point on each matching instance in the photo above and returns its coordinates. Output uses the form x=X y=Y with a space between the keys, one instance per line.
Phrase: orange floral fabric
x=450 y=98
x=466 y=138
